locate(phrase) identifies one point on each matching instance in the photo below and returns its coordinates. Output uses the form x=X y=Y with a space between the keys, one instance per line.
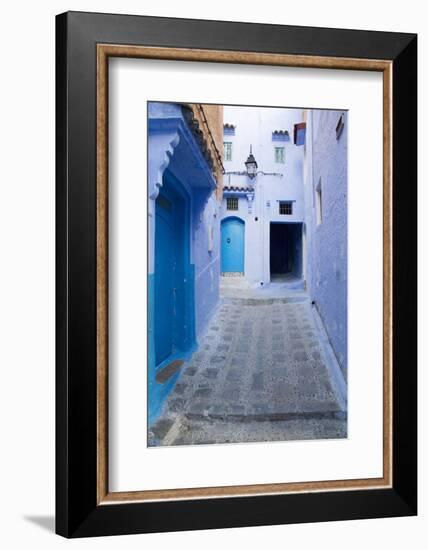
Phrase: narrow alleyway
x=261 y=373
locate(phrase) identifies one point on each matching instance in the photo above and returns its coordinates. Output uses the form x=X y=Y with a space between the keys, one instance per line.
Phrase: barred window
x=227 y=150
x=286 y=208
x=280 y=154
x=232 y=203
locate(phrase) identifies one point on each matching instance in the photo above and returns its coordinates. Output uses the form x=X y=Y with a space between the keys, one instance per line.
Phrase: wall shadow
x=45 y=522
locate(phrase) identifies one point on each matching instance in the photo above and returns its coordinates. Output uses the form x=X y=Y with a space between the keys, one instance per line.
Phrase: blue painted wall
x=174 y=303
x=326 y=242
x=165 y=258
x=206 y=258
x=183 y=178
x=171 y=300
x=157 y=393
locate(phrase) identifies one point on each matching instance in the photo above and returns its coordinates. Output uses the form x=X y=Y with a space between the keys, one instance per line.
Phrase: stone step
x=295 y=285
x=267 y=416
x=183 y=431
x=164 y=374
x=265 y=301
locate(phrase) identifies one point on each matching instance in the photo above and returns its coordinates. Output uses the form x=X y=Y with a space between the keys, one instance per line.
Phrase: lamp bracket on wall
x=243 y=173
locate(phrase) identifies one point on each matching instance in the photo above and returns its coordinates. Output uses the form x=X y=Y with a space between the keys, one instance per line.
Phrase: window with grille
x=280 y=154
x=232 y=203
x=227 y=150
x=286 y=208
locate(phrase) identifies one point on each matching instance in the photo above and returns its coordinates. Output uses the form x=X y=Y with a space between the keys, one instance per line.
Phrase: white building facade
x=269 y=207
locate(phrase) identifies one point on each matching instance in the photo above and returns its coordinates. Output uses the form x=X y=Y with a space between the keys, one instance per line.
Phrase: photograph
x=235 y=278
x=247 y=274
x=213 y=257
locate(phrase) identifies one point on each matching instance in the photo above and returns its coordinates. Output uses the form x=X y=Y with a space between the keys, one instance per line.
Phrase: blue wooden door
x=232 y=245
x=164 y=279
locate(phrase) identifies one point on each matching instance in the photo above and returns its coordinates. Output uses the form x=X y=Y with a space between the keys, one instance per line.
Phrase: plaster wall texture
x=206 y=257
x=326 y=242
x=206 y=222
x=254 y=126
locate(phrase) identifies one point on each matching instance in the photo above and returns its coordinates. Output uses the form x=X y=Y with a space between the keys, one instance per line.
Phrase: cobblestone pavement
x=259 y=375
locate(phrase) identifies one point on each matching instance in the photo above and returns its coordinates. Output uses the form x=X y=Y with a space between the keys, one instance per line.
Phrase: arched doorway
x=232 y=245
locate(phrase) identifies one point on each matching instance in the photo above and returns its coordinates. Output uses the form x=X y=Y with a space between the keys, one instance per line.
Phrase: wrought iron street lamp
x=251 y=165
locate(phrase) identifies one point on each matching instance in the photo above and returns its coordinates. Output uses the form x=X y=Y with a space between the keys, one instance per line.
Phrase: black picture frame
x=78 y=513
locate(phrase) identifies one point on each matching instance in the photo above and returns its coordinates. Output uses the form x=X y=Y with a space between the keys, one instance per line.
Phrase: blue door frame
x=166 y=259
x=232 y=245
x=171 y=294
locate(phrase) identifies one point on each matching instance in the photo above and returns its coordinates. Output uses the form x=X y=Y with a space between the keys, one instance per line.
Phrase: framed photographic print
x=236 y=274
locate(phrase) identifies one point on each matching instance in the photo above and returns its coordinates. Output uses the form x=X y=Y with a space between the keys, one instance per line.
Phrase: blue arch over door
x=232 y=245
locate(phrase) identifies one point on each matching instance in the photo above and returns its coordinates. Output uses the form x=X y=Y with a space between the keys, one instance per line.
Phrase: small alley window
x=280 y=154
x=318 y=203
x=286 y=208
x=340 y=126
x=227 y=150
x=232 y=203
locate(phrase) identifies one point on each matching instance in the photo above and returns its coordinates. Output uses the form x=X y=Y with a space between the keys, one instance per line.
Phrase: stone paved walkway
x=260 y=374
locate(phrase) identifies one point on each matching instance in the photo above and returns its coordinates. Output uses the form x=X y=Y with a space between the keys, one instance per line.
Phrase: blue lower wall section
x=158 y=393
x=207 y=291
x=153 y=393
x=189 y=309
x=207 y=261
x=196 y=299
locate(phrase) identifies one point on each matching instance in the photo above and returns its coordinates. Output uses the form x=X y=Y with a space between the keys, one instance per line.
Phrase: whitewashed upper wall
x=254 y=126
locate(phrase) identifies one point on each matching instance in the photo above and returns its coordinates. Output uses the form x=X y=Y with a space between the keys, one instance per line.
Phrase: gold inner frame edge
x=104 y=52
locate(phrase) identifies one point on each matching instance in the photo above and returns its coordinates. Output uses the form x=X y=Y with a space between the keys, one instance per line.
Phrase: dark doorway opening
x=286 y=250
